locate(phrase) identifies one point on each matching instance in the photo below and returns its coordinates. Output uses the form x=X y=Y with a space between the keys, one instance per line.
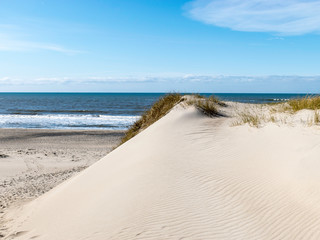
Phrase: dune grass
x=3 y=155
x=207 y=105
x=309 y=102
x=197 y=96
x=254 y=120
x=216 y=100
x=157 y=111
x=272 y=119
x=292 y=106
x=316 y=118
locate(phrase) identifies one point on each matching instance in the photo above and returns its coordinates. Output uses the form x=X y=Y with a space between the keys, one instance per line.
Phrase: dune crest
x=188 y=177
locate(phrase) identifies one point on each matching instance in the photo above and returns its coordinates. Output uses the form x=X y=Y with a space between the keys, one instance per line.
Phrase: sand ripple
x=189 y=177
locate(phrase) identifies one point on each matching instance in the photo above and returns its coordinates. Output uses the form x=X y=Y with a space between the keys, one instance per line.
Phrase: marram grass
x=207 y=105
x=157 y=111
x=309 y=102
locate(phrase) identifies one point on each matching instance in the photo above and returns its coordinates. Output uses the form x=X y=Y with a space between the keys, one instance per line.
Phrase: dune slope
x=188 y=177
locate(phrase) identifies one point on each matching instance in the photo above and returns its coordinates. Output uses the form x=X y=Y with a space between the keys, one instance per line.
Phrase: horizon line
x=304 y=93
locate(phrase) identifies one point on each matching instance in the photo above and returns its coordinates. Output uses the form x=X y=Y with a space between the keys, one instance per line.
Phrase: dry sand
x=34 y=161
x=188 y=177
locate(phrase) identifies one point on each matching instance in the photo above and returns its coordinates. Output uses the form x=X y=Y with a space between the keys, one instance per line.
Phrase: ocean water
x=93 y=110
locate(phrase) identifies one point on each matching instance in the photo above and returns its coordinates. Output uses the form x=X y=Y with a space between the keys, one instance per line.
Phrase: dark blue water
x=258 y=97
x=93 y=110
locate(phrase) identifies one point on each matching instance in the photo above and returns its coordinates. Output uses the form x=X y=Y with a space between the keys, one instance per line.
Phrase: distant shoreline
x=62 y=130
x=223 y=171
x=302 y=93
x=95 y=111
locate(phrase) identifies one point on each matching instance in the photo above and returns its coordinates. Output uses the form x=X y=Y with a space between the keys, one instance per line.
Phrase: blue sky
x=160 y=45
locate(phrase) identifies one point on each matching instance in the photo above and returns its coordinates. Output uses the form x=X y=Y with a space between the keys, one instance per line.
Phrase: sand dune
x=33 y=161
x=188 y=177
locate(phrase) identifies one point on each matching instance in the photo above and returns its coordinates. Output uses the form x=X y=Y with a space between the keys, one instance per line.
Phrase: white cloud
x=284 y=17
x=187 y=78
x=82 y=80
x=161 y=83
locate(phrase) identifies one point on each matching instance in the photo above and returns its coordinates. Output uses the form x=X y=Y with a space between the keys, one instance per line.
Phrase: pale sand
x=34 y=161
x=188 y=177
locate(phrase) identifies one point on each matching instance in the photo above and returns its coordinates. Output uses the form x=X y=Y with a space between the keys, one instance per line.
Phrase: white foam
x=64 y=121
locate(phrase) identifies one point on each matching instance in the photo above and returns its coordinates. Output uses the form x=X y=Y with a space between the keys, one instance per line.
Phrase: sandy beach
x=32 y=161
x=160 y=120
x=189 y=176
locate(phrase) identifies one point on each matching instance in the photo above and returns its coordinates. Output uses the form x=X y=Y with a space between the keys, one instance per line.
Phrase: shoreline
x=249 y=173
x=202 y=172
x=66 y=129
x=33 y=161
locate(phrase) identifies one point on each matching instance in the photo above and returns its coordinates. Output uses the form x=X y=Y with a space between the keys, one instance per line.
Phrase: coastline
x=239 y=174
x=33 y=161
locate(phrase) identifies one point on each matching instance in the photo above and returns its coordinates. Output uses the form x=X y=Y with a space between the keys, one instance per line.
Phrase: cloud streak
x=12 y=44
x=182 y=83
x=187 y=78
x=285 y=17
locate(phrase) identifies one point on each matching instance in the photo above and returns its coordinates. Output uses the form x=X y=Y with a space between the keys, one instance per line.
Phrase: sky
x=160 y=46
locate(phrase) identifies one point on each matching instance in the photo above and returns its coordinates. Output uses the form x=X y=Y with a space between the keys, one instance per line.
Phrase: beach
x=160 y=120
x=190 y=176
x=33 y=161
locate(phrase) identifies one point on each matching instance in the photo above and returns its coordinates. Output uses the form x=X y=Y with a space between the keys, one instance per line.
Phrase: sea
x=113 y=111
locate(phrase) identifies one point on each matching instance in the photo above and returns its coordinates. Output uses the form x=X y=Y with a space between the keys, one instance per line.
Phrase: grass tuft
x=252 y=119
x=197 y=96
x=216 y=100
x=3 y=155
x=273 y=119
x=308 y=102
x=207 y=105
x=157 y=111
x=316 y=118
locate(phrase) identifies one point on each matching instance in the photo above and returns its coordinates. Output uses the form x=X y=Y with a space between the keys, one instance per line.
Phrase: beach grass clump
x=212 y=99
x=3 y=155
x=309 y=102
x=216 y=100
x=272 y=119
x=316 y=118
x=252 y=119
x=157 y=111
x=197 y=96
x=207 y=105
